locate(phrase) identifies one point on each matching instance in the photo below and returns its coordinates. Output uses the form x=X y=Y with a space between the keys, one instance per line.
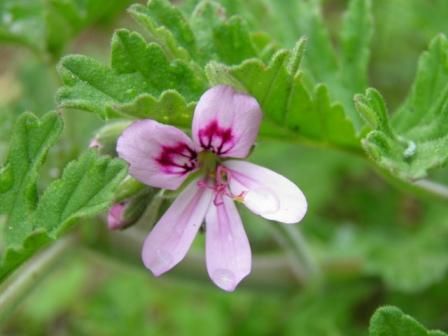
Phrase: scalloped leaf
x=140 y=73
x=46 y=26
x=157 y=79
x=290 y=107
x=343 y=68
x=31 y=140
x=391 y=321
x=415 y=139
x=427 y=249
x=86 y=187
x=15 y=256
x=167 y=26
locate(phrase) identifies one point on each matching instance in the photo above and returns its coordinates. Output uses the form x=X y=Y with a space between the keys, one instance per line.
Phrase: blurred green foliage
x=391 y=244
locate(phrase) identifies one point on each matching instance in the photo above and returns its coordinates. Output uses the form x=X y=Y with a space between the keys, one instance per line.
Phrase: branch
x=274 y=272
x=13 y=291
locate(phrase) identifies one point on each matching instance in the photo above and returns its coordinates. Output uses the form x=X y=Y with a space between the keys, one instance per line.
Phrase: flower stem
x=13 y=291
x=272 y=273
x=291 y=239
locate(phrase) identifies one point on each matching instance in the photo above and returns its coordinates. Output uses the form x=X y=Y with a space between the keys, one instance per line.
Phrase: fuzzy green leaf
x=391 y=321
x=220 y=39
x=355 y=40
x=166 y=26
x=140 y=73
x=14 y=256
x=286 y=101
x=46 y=26
x=427 y=249
x=158 y=79
x=86 y=188
x=18 y=192
x=342 y=69
x=415 y=139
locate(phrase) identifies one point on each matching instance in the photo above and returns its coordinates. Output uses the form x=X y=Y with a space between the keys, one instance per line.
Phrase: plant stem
x=275 y=273
x=432 y=188
x=13 y=291
x=302 y=262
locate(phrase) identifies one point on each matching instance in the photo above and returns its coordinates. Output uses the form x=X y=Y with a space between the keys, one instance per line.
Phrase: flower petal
x=226 y=122
x=115 y=219
x=159 y=155
x=169 y=241
x=265 y=192
x=228 y=254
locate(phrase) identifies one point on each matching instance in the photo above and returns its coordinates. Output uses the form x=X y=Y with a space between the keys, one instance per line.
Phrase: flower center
x=216 y=177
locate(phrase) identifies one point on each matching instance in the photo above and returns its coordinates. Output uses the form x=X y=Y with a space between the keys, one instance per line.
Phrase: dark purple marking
x=216 y=139
x=178 y=159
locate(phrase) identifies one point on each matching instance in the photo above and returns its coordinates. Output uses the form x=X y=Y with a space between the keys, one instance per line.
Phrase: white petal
x=228 y=252
x=169 y=241
x=266 y=193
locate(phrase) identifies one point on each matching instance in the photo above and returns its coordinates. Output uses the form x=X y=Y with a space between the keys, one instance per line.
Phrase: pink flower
x=225 y=126
x=115 y=217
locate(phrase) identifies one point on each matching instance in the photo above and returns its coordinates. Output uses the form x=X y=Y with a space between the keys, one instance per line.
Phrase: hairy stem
x=432 y=188
x=269 y=272
x=273 y=272
x=13 y=291
x=302 y=262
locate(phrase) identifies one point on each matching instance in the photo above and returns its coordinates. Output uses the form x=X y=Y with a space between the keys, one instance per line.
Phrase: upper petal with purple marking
x=158 y=155
x=226 y=122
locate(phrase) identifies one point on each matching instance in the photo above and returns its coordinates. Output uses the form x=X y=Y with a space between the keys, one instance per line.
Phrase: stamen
x=240 y=197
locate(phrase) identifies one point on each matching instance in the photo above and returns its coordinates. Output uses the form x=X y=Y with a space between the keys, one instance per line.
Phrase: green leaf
x=233 y=42
x=355 y=38
x=140 y=73
x=389 y=258
x=86 y=188
x=46 y=26
x=321 y=58
x=342 y=69
x=166 y=26
x=156 y=79
x=18 y=195
x=220 y=39
x=23 y=22
x=291 y=109
x=413 y=141
x=14 y=256
x=391 y=321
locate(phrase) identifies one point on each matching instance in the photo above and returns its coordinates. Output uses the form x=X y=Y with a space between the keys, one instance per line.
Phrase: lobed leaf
x=391 y=321
x=288 y=104
x=344 y=69
x=415 y=139
x=355 y=39
x=14 y=256
x=140 y=73
x=86 y=188
x=46 y=26
x=427 y=249
x=30 y=143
